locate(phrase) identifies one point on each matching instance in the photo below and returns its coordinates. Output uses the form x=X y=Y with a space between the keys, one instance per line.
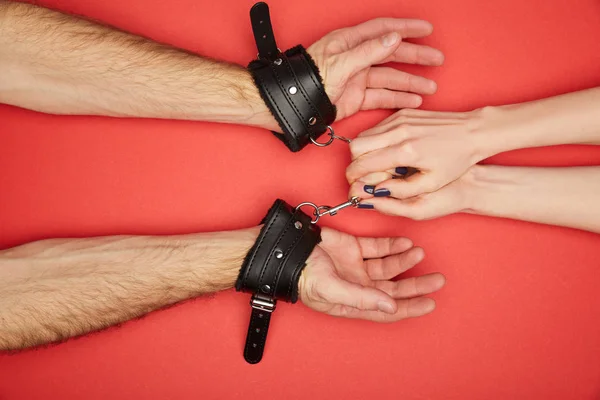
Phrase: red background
x=518 y=319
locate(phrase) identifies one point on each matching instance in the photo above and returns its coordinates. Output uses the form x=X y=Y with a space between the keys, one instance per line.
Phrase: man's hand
x=440 y=145
x=352 y=277
x=349 y=60
x=63 y=68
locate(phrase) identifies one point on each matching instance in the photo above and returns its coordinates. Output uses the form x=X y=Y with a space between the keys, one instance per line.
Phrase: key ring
x=332 y=137
x=327 y=210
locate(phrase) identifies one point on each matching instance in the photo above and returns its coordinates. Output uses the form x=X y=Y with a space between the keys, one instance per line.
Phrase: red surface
x=519 y=318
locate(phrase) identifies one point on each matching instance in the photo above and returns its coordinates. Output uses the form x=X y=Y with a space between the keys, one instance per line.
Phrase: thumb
x=370 y=52
x=360 y=297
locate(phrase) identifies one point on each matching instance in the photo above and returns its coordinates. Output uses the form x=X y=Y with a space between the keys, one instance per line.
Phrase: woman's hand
x=452 y=198
x=441 y=146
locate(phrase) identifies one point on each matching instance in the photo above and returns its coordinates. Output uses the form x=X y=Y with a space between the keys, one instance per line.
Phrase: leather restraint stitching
x=272 y=101
x=288 y=251
x=263 y=236
x=304 y=94
x=266 y=264
x=290 y=101
x=319 y=85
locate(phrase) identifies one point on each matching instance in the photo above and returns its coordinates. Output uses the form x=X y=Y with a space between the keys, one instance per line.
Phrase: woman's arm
x=572 y=118
x=443 y=145
x=558 y=196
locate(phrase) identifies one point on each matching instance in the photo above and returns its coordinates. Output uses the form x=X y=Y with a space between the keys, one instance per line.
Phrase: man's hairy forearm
x=55 y=63
x=55 y=289
x=557 y=196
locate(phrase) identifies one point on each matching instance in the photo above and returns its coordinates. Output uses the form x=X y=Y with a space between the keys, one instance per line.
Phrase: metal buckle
x=262 y=303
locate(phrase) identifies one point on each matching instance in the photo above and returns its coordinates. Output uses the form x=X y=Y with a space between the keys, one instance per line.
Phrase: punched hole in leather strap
x=290 y=85
x=272 y=268
x=263 y=31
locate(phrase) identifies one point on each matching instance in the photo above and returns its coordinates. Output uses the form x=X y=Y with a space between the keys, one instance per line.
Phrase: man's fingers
x=358 y=297
x=388 y=267
x=410 y=308
x=383 y=247
x=383 y=159
x=412 y=287
x=382 y=98
x=368 y=53
x=393 y=79
x=411 y=53
x=407 y=28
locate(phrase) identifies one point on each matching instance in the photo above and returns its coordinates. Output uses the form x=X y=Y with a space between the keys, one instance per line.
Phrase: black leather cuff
x=272 y=268
x=290 y=85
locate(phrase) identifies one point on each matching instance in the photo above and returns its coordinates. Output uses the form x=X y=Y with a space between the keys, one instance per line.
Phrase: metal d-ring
x=315 y=213
x=332 y=137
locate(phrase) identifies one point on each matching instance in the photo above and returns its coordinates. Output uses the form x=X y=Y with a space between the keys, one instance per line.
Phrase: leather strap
x=290 y=86
x=263 y=31
x=272 y=268
x=256 y=337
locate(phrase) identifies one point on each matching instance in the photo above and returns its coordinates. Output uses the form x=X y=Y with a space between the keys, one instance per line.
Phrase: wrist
x=259 y=114
x=217 y=257
x=471 y=183
x=482 y=184
x=483 y=124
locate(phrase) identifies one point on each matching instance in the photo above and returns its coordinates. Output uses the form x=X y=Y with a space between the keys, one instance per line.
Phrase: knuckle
x=402 y=130
x=333 y=45
x=354 y=148
x=413 y=287
x=405 y=112
x=408 y=151
x=402 y=312
x=349 y=174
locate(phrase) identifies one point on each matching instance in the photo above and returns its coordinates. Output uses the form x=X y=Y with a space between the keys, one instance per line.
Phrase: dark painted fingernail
x=369 y=189
x=401 y=170
x=366 y=206
x=382 y=193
